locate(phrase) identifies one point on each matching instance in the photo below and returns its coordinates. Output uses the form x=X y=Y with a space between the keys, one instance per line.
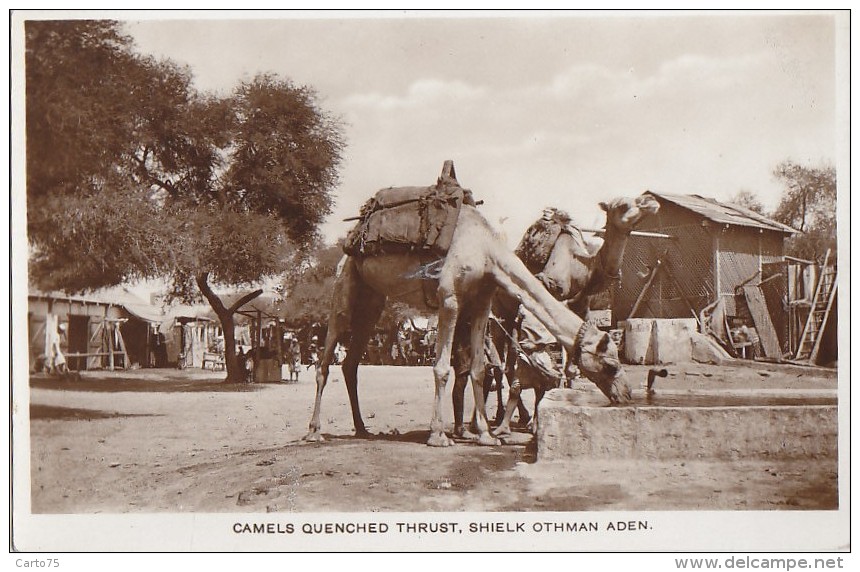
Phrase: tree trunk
x=231 y=364
x=235 y=373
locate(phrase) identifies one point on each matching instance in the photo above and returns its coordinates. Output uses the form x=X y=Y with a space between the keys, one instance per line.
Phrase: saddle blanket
x=408 y=219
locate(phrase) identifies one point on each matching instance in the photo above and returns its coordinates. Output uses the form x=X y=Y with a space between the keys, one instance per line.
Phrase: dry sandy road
x=156 y=441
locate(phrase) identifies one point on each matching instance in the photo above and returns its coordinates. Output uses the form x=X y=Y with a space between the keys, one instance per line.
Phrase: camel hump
x=410 y=219
x=540 y=238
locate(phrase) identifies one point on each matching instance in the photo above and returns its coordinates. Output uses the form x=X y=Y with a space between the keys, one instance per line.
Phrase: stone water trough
x=679 y=424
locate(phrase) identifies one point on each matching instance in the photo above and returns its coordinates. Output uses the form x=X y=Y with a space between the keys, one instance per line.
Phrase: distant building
x=109 y=329
x=115 y=329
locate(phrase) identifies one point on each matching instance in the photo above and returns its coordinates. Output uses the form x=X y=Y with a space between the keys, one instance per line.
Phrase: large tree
x=809 y=205
x=133 y=174
x=82 y=109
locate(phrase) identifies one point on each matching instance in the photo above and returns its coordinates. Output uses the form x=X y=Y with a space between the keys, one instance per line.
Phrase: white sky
x=563 y=109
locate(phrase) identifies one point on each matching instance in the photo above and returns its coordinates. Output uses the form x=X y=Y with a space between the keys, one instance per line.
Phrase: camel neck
x=612 y=252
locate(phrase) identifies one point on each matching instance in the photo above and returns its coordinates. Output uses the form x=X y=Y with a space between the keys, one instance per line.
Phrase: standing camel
x=476 y=265
x=571 y=275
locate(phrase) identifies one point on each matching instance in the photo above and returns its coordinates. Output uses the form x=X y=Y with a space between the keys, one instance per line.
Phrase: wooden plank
x=763 y=323
x=647 y=234
x=645 y=288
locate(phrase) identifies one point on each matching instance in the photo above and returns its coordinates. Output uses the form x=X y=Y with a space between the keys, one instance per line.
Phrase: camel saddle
x=398 y=220
x=539 y=240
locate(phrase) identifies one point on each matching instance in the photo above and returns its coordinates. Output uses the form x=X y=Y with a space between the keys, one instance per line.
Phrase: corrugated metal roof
x=115 y=296
x=724 y=213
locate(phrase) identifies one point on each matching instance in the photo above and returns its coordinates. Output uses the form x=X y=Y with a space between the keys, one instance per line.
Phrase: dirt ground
x=152 y=441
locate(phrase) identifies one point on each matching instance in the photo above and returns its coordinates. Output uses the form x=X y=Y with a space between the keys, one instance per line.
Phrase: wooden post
x=259 y=336
x=645 y=288
x=122 y=347
x=109 y=331
x=716 y=250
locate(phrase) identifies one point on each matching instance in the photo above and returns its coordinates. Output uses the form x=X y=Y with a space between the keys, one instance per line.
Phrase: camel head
x=624 y=213
x=597 y=357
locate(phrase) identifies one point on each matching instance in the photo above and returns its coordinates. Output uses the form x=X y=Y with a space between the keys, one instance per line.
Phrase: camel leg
x=525 y=417
x=461 y=360
x=448 y=311
x=499 y=339
x=461 y=380
x=539 y=393
x=510 y=372
x=339 y=320
x=364 y=319
x=480 y=317
x=326 y=359
x=500 y=407
x=335 y=329
x=504 y=428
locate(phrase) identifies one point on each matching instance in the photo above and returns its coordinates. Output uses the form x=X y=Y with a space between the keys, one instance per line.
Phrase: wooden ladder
x=819 y=311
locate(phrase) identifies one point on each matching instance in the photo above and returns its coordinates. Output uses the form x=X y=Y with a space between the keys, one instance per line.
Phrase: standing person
x=313 y=353
x=160 y=350
x=295 y=360
x=339 y=353
x=56 y=359
x=242 y=360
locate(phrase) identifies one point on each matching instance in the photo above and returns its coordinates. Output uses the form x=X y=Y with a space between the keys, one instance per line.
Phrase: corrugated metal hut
x=106 y=329
x=724 y=261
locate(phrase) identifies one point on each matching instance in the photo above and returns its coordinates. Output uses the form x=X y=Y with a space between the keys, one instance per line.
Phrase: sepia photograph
x=408 y=281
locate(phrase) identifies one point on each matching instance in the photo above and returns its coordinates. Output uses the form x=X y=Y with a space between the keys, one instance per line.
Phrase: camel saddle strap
x=576 y=350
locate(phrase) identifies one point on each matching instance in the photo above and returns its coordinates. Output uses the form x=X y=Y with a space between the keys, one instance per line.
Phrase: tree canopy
x=131 y=173
x=809 y=205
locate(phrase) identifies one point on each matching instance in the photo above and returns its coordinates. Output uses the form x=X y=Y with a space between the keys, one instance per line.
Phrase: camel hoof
x=466 y=434
x=463 y=433
x=314 y=437
x=439 y=440
x=362 y=433
x=503 y=431
x=488 y=440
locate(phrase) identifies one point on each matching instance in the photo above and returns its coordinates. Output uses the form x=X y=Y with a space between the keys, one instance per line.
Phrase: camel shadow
x=522 y=439
x=418 y=436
